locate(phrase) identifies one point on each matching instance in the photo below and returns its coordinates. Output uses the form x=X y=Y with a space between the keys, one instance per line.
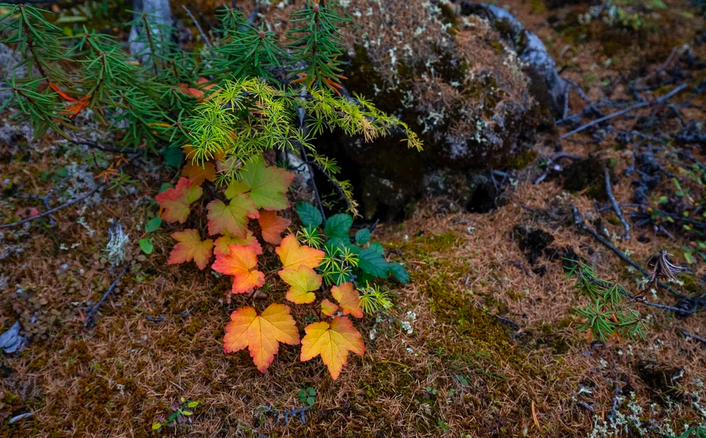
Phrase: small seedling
x=307 y=396
x=146 y=245
x=182 y=413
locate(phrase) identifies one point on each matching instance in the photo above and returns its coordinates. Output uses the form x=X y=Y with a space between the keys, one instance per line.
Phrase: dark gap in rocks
x=487 y=195
x=587 y=173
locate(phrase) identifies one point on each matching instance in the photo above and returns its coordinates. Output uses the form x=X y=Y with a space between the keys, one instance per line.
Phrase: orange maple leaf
x=294 y=255
x=348 y=298
x=328 y=308
x=272 y=226
x=198 y=174
x=176 y=201
x=333 y=342
x=241 y=263
x=303 y=282
x=191 y=247
x=232 y=217
x=260 y=333
x=227 y=239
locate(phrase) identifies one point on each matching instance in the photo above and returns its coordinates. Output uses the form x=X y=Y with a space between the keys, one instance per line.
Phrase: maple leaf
x=267 y=185
x=272 y=226
x=176 y=201
x=328 y=308
x=303 y=282
x=232 y=217
x=198 y=174
x=260 y=333
x=333 y=342
x=241 y=263
x=294 y=255
x=348 y=298
x=222 y=243
x=190 y=247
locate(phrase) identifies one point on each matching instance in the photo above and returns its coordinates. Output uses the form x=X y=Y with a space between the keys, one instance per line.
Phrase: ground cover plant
x=224 y=125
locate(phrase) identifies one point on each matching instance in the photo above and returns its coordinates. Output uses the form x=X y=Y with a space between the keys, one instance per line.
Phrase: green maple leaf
x=232 y=217
x=266 y=185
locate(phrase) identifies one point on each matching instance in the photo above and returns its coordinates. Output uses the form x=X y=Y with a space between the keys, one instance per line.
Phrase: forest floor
x=483 y=342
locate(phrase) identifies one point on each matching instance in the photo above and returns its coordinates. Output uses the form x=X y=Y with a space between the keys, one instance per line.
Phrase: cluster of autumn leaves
x=259 y=194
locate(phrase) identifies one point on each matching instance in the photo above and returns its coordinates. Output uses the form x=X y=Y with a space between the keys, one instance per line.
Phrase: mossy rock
x=455 y=80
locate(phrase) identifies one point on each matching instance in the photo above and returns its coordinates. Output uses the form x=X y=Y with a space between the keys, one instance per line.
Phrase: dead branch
x=551 y=164
x=631 y=108
x=94 y=309
x=616 y=207
x=55 y=209
x=692 y=336
x=198 y=26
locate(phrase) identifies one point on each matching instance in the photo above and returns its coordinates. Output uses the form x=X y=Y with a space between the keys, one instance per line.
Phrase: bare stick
x=551 y=161
x=616 y=207
x=634 y=107
x=55 y=209
x=198 y=26
x=94 y=309
x=689 y=335
x=578 y=221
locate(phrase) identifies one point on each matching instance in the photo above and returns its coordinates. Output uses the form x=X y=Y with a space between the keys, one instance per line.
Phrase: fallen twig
x=68 y=203
x=616 y=207
x=634 y=107
x=625 y=293
x=94 y=309
x=578 y=221
x=550 y=164
x=55 y=209
x=692 y=336
x=198 y=26
x=585 y=405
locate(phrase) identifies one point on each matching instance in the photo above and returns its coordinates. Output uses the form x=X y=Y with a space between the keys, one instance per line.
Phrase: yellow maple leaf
x=294 y=255
x=333 y=342
x=328 y=308
x=303 y=282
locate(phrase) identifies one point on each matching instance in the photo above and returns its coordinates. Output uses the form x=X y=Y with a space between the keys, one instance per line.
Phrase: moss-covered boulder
x=455 y=79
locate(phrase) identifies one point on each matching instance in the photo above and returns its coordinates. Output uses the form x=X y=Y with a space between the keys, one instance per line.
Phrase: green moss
x=523 y=160
x=194 y=326
x=435 y=242
x=387 y=379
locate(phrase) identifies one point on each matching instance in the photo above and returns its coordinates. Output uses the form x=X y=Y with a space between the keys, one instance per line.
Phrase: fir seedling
x=317 y=42
x=606 y=314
